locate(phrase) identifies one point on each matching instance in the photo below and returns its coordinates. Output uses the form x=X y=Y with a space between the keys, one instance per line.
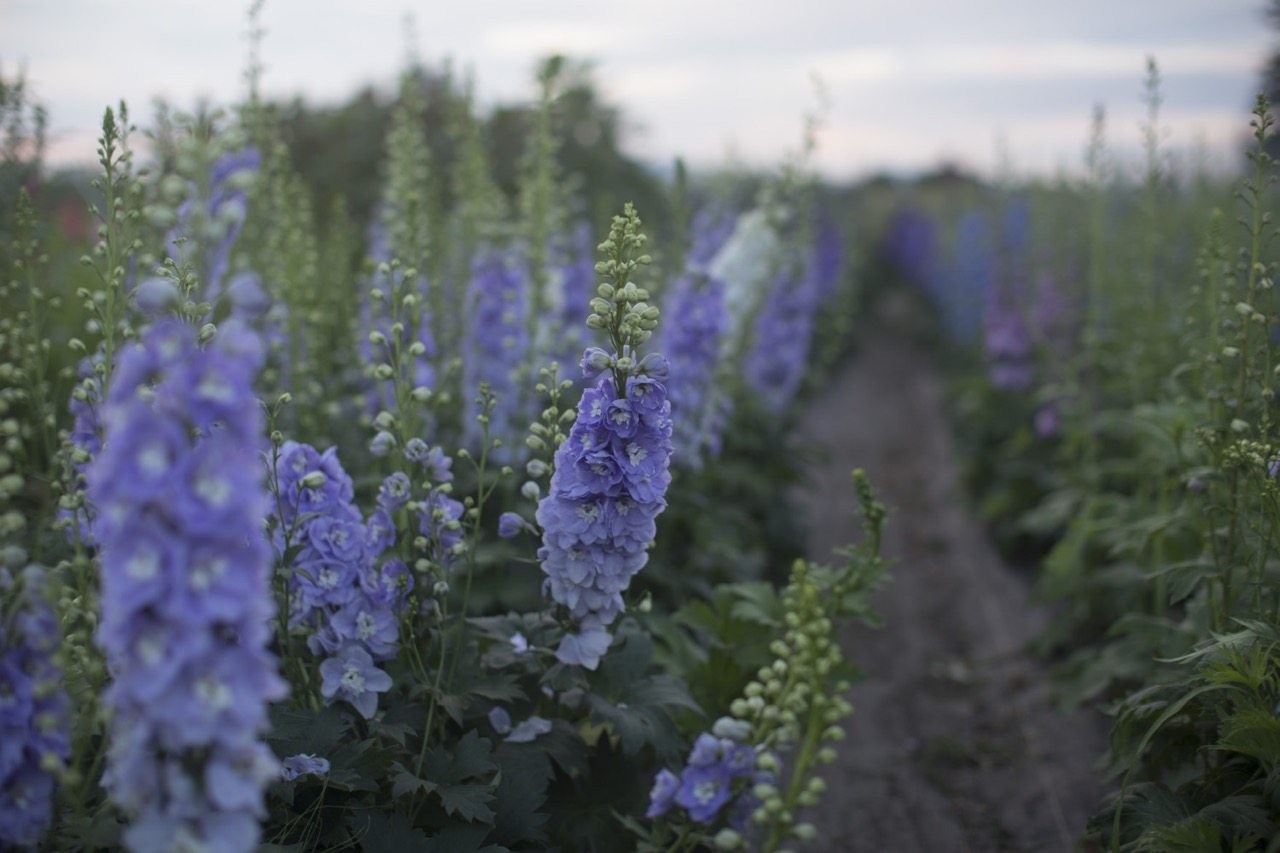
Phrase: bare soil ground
x=954 y=743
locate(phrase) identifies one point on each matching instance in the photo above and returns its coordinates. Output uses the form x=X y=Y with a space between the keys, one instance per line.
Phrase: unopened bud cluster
x=621 y=307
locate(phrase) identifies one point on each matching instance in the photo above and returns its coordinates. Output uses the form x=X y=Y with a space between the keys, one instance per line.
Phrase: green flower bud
x=805 y=831
x=727 y=839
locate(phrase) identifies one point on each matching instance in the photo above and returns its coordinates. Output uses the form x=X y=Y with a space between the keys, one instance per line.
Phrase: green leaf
x=452 y=772
x=461 y=838
x=521 y=793
x=467 y=801
x=304 y=730
x=642 y=715
x=1252 y=731
x=499 y=687
x=380 y=833
x=758 y=603
x=405 y=783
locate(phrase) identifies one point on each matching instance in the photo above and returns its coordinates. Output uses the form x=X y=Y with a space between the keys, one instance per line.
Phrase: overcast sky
x=910 y=82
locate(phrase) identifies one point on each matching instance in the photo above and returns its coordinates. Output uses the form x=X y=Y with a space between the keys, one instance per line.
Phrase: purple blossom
x=224 y=210
x=303 y=765
x=957 y=286
x=86 y=439
x=441 y=522
x=527 y=731
x=720 y=771
x=709 y=231
x=186 y=596
x=1008 y=347
x=599 y=515
x=697 y=325
x=351 y=676
x=663 y=794
x=34 y=714
x=338 y=590
x=577 y=279
x=500 y=720
x=509 y=525
x=704 y=790
x=416 y=450
x=497 y=342
x=394 y=492
x=778 y=359
x=1047 y=421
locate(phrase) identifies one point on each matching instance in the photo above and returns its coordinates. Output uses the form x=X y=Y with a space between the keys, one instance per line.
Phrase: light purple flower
x=352 y=677
x=496 y=343
x=704 y=790
x=179 y=500
x=34 y=713
x=303 y=764
x=509 y=525
x=500 y=720
x=663 y=795
x=529 y=730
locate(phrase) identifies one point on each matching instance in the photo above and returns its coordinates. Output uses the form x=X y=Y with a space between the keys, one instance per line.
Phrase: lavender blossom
x=224 y=211
x=186 y=595
x=576 y=273
x=719 y=773
x=86 y=442
x=303 y=764
x=709 y=231
x=599 y=516
x=1008 y=347
x=693 y=342
x=778 y=360
x=497 y=342
x=509 y=525
x=351 y=676
x=337 y=590
x=34 y=714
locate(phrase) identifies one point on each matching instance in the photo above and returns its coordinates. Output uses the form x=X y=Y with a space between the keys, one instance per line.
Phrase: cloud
x=910 y=81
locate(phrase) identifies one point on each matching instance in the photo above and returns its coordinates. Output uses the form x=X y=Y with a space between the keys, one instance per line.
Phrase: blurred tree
x=340 y=150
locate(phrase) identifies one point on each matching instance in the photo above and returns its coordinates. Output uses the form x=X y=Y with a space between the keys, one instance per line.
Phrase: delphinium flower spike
x=186 y=598
x=779 y=356
x=338 y=593
x=611 y=474
x=497 y=342
x=34 y=709
x=693 y=342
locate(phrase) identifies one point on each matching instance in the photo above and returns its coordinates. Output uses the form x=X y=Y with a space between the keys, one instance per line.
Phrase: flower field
x=402 y=492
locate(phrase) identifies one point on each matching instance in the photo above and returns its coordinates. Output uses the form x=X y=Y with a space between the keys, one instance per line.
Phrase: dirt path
x=953 y=744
